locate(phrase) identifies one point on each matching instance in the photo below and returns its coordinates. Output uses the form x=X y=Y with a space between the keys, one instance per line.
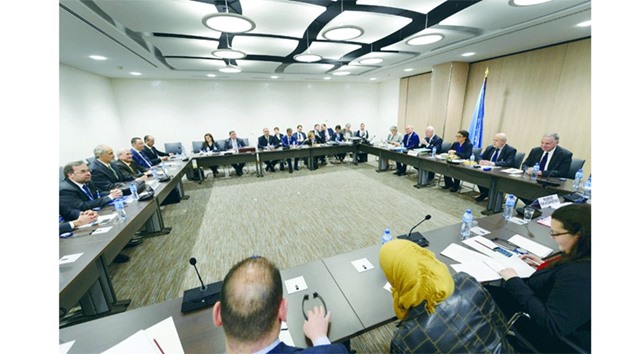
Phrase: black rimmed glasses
x=553 y=234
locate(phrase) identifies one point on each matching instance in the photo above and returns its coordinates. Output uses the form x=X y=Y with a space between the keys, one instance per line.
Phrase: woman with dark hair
x=462 y=148
x=557 y=296
x=209 y=146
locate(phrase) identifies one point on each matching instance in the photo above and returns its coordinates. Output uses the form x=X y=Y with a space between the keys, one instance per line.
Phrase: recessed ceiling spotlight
x=211 y=75
x=327 y=78
x=228 y=23
x=408 y=69
x=427 y=39
x=230 y=69
x=371 y=61
x=98 y=57
x=343 y=33
x=372 y=79
x=228 y=53
x=135 y=73
x=341 y=73
x=307 y=57
x=468 y=54
x=275 y=77
x=587 y=23
x=526 y=2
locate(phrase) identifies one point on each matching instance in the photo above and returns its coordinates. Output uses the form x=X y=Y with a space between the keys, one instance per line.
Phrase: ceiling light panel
x=293 y=19
x=195 y=64
x=308 y=68
x=263 y=46
x=353 y=69
x=375 y=25
x=421 y=6
x=334 y=51
x=388 y=58
x=450 y=37
x=162 y=16
x=171 y=46
x=258 y=66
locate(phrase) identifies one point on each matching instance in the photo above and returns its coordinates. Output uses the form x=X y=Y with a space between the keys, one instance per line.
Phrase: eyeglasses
x=553 y=234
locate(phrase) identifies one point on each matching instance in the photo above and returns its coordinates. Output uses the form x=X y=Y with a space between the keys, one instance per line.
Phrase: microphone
x=417 y=237
x=427 y=217
x=192 y=261
x=202 y=296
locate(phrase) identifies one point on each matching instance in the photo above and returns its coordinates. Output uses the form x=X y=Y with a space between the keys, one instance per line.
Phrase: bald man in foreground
x=252 y=309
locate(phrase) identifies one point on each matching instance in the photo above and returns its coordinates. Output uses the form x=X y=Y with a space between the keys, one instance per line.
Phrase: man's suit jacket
x=68 y=214
x=129 y=173
x=363 y=135
x=328 y=349
x=435 y=142
x=103 y=178
x=278 y=138
x=228 y=144
x=73 y=197
x=303 y=137
x=337 y=137
x=506 y=157
x=411 y=141
x=141 y=159
x=153 y=154
x=557 y=167
x=329 y=132
x=263 y=141
x=287 y=142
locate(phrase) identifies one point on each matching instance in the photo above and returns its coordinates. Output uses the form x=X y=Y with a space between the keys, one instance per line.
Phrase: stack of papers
x=158 y=339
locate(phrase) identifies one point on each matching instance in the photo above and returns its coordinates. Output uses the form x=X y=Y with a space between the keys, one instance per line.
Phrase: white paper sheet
x=64 y=347
x=531 y=246
x=462 y=254
x=285 y=335
x=522 y=268
x=295 y=284
x=362 y=265
x=480 y=231
x=165 y=332
x=70 y=258
x=137 y=343
x=478 y=270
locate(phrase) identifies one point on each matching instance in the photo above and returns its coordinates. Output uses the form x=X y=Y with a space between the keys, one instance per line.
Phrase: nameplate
x=549 y=201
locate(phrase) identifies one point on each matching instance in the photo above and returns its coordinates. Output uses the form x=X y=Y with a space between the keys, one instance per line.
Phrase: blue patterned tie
x=494 y=158
x=87 y=191
x=543 y=162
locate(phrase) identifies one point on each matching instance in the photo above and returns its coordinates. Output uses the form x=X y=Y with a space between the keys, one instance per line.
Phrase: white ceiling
x=165 y=39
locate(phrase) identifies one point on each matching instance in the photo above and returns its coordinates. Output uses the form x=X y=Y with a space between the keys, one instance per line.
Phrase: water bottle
x=120 y=210
x=587 y=188
x=183 y=155
x=434 y=151
x=577 y=181
x=468 y=218
x=472 y=160
x=509 y=207
x=154 y=171
x=535 y=170
x=386 y=237
x=164 y=167
x=134 y=190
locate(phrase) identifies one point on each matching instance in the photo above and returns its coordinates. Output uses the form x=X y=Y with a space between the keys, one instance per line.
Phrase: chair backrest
x=246 y=141
x=477 y=152
x=62 y=175
x=445 y=146
x=196 y=146
x=90 y=160
x=519 y=156
x=221 y=144
x=575 y=165
x=173 y=148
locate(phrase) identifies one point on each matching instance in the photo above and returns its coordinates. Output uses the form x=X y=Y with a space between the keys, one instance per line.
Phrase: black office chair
x=477 y=152
x=575 y=165
x=445 y=146
x=173 y=148
x=519 y=156
x=196 y=146
x=89 y=161
x=62 y=175
x=522 y=345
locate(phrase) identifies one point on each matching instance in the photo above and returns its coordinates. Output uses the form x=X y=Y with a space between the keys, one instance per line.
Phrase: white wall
x=184 y=110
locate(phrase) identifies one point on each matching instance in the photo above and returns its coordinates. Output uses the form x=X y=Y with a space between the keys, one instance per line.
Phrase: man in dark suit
x=497 y=154
x=410 y=141
x=137 y=152
x=279 y=136
x=290 y=141
x=300 y=136
x=554 y=160
x=128 y=167
x=430 y=141
x=232 y=143
x=362 y=133
x=75 y=218
x=151 y=151
x=105 y=175
x=268 y=142
x=252 y=309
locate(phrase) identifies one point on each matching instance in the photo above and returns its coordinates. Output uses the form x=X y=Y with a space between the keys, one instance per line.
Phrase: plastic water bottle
x=164 y=167
x=120 y=210
x=468 y=218
x=535 y=170
x=472 y=160
x=386 y=237
x=134 y=190
x=154 y=171
x=578 y=178
x=587 y=188
x=509 y=207
x=434 y=151
x=183 y=155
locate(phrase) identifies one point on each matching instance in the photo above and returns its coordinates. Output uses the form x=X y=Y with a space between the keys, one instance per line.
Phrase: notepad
x=531 y=246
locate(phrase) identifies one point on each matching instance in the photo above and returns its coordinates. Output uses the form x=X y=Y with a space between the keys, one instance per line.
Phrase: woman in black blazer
x=209 y=145
x=558 y=295
x=462 y=148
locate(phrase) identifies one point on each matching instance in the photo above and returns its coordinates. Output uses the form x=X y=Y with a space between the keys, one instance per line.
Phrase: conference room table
x=86 y=281
x=360 y=300
x=498 y=182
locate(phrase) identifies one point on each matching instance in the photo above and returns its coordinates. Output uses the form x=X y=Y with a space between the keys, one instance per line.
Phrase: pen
x=496 y=249
x=159 y=347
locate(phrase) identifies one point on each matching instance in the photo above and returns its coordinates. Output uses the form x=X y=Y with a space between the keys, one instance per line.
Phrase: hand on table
x=317 y=324
x=531 y=260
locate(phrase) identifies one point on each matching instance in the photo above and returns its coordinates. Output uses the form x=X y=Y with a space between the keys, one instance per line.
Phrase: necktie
x=87 y=191
x=543 y=162
x=494 y=158
x=132 y=170
x=113 y=172
x=148 y=163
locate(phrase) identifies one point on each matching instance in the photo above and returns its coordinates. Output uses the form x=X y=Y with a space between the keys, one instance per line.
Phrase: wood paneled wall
x=528 y=94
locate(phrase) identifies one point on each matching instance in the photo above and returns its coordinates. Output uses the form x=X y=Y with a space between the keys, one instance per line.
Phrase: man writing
x=252 y=309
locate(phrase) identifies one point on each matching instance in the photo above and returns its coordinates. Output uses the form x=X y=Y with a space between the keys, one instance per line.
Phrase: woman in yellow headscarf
x=439 y=313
